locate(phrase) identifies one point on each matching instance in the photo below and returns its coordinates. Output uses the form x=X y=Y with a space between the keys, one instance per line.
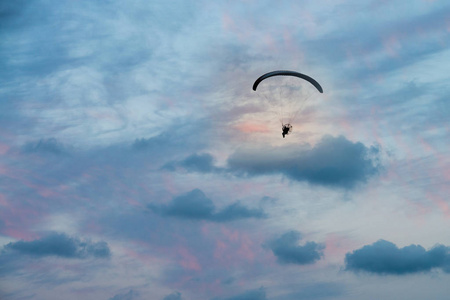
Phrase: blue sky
x=136 y=161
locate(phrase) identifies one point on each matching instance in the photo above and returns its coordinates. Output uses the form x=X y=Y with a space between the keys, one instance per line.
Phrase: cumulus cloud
x=195 y=205
x=287 y=250
x=384 y=257
x=192 y=205
x=59 y=244
x=334 y=161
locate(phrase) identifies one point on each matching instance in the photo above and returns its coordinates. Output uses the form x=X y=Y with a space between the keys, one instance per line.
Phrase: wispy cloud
x=50 y=145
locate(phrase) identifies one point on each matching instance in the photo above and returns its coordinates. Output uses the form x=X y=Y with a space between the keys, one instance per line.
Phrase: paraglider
x=286 y=128
x=289 y=96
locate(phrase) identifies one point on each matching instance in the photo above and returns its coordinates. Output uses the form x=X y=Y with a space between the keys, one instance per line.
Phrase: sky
x=136 y=161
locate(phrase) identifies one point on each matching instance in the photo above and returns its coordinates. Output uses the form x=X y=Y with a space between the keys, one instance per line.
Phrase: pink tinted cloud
x=245 y=249
x=3 y=149
x=133 y=202
x=440 y=202
x=143 y=258
x=169 y=183
x=336 y=246
x=436 y=174
x=309 y=22
x=392 y=46
x=245 y=29
x=228 y=22
x=21 y=214
x=234 y=247
x=3 y=201
x=231 y=25
x=187 y=260
x=231 y=235
x=19 y=222
x=248 y=127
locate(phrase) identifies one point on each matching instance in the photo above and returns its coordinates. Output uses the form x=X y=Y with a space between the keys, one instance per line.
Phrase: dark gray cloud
x=192 y=205
x=195 y=205
x=130 y=295
x=334 y=161
x=236 y=211
x=59 y=244
x=173 y=296
x=383 y=257
x=287 y=250
x=258 y=294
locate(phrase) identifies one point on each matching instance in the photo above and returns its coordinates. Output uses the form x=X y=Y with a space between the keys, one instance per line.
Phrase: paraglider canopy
x=287 y=73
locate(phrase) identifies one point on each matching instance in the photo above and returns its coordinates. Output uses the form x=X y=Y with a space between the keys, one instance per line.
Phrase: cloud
x=237 y=211
x=132 y=294
x=59 y=244
x=50 y=145
x=258 y=294
x=287 y=250
x=192 y=205
x=11 y=9
x=334 y=161
x=383 y=48
x=173 y=296
x=383 y=257
x=202 y=163
x=195 y=205
x=319 y=290
x=90 y=79
x=182 y=134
